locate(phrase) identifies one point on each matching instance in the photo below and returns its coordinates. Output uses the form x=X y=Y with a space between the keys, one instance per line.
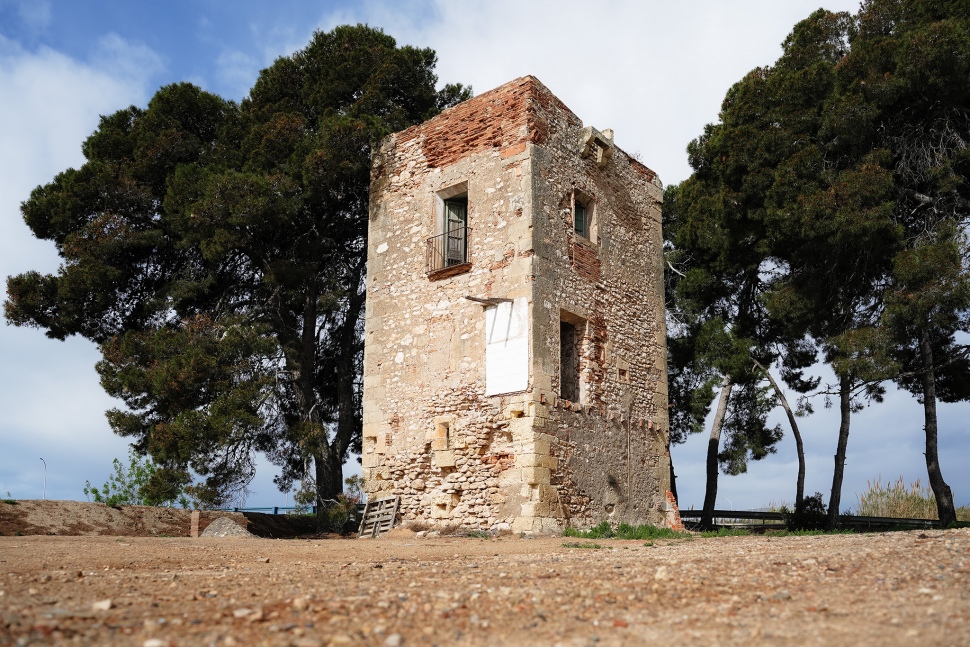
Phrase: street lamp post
x=45 y=478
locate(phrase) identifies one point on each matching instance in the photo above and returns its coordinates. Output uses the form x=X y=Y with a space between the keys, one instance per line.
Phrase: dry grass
x=417 y=526
x=897 y=500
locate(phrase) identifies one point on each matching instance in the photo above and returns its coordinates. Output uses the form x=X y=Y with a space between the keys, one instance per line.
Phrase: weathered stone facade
x=514 y=366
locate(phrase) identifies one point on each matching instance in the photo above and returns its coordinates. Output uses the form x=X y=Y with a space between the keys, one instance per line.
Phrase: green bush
x=138 y=484
x=341 y=516
x=809 y=515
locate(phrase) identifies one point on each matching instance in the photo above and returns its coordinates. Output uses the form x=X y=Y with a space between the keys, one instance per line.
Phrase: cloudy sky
x=653 y=71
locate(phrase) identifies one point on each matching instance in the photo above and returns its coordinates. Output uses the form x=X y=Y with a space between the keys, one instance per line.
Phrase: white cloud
x=51 y=401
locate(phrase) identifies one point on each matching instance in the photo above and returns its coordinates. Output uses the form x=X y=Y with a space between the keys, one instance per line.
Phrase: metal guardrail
x=853 y=522
x=284 y=510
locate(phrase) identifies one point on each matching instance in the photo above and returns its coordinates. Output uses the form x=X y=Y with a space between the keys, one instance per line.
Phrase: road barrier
x=776 y=521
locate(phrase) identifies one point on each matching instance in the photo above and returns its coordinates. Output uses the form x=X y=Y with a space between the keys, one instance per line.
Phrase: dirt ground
x=82 y=518
x=899 y=588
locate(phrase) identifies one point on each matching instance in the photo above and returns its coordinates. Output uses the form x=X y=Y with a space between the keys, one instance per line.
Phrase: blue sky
x=653 y=71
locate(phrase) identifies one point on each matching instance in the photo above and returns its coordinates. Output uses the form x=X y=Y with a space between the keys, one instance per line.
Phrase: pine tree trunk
x=710 y=492
x=799 y=446
x=845 y=408
x=942 y=492
x=328 y=471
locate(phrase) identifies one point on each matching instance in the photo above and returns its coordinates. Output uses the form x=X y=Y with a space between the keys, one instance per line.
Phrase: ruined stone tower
x=514 y=366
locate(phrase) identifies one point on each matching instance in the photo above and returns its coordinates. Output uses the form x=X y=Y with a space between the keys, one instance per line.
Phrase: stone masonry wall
x=526 y=461
x=613 y=443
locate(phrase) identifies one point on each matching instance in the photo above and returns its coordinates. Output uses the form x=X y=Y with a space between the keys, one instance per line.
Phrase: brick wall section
x=585 y=260
x=674 y=521
x=503 y=119
x=523 y=461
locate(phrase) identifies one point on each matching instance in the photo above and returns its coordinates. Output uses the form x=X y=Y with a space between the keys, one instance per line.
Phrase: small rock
x=421 y=533
x=154 y=642
x=251 y=615
x=102 y=605
x=264 y=560
x=301 y=603
x=394 y=640
x=661 y=574
x=307 y=642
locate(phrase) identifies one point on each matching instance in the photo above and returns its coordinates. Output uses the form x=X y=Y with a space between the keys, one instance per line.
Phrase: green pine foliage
x=216 y=252
x=826 y=217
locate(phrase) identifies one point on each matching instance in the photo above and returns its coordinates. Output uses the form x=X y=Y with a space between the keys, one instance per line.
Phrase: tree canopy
x=834 y=191
x=216 y=253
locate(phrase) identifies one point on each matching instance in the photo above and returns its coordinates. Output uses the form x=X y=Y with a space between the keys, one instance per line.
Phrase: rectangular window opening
x=580 y=220
x=568 y=361
x=456 y=230
x=447 y=250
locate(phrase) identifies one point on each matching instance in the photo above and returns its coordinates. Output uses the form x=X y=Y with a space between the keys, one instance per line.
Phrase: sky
x=655 y=72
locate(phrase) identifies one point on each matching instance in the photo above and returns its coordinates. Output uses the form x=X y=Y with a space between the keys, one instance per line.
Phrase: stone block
x=370 y=460
x=523 y=524
x=444 y=458
x=538 y=444
x=548 y=493
x=536 y=475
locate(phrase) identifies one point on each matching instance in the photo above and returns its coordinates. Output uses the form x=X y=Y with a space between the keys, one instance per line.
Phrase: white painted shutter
x=507 y=347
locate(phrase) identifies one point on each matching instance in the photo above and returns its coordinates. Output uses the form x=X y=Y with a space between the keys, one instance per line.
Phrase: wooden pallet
x=378 y=516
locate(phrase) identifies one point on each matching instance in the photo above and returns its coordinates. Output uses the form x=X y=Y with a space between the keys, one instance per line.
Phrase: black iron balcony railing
x=447 y=249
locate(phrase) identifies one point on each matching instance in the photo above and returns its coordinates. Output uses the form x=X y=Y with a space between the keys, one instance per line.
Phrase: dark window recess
x=568 y=362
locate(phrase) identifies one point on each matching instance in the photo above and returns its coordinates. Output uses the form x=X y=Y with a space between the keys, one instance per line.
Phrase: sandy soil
x=900 y=588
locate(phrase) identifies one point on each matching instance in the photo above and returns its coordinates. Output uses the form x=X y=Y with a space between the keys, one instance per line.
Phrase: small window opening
x=580 y=219
x=568 y=362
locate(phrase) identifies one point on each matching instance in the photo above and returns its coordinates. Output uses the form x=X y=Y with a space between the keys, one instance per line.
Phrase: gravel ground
x=900 y=588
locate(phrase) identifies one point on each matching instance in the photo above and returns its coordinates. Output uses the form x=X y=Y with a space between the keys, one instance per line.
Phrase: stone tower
x=514 y=366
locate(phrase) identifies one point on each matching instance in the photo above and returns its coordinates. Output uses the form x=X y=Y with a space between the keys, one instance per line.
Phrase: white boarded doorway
x=507 y=347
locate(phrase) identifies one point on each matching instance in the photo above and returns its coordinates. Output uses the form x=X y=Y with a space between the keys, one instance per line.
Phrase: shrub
x=809 y=515
x=341 y=516
x=138 y=484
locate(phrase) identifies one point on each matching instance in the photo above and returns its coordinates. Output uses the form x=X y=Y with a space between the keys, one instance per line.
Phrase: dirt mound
x=34 y=517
